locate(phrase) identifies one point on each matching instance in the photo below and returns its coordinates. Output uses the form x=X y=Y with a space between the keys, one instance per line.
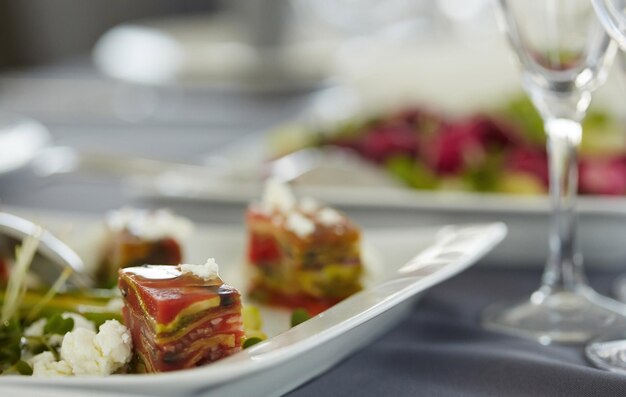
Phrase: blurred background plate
x=21 y=140
x=211 y=52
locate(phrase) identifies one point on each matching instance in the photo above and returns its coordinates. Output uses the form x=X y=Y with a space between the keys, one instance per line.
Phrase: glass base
x=608 y=352
x=559 y=316
x=619 y=288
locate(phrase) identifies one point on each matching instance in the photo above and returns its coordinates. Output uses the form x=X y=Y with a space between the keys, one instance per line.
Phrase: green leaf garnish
x=35 y=344
x=251 y=341
x=58 y=325
x=23 y=368
x=299 y=316
x=10 y=351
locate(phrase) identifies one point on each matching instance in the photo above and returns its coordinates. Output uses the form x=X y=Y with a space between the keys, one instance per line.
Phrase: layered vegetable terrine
x=301 y=253
x=137 y=237
x=180 y=316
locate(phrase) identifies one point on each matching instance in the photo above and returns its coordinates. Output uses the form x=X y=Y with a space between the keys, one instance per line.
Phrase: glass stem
x=564 y=268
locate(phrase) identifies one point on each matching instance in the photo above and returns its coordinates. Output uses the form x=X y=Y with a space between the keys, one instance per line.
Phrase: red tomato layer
x=165 y=298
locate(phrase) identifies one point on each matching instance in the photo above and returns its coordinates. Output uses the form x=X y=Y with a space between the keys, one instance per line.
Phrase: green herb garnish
x=10 y=349
x=251 y=341
x=299 y=316
x=23 y=368
x=10 y=327
x=58 y=325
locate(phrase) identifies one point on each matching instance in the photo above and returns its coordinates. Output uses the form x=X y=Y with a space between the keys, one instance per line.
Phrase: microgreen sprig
x=10 y=327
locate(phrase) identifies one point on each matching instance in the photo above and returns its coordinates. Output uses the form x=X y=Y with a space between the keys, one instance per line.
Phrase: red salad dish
x=498 y=151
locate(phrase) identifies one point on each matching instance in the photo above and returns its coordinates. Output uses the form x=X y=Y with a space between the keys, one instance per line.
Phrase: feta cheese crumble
x=83 y=352
x=79 y=321
x=329 y=217
x=44 y=364
x=277 y=196
x=300 y=225
x=207 y=271
x=88 y=353
x=36 y=328
x=149 y=225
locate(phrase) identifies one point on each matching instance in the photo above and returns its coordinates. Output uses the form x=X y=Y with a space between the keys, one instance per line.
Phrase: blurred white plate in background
x=210 y=52
x=21 y=139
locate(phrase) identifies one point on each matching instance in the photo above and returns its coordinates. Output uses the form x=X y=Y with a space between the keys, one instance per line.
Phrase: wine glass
x=609 y=352
x=564 y=55
x=612 y=15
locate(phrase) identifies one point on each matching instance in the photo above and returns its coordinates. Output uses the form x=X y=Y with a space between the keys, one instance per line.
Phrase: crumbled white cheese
x=44 y=364
x=88 y=353
x=79 y=321
x=207 y=271
x=36 y=328
x=329 y=217
x=277 y=196
x=300 y=225
x=115 y=343
x=149 y=225
x=308 y=205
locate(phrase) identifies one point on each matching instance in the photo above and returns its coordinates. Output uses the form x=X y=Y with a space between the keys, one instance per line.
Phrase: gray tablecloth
x=441 y=350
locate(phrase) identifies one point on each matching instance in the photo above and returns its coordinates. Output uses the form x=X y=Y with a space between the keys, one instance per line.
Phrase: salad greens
x=20 y=307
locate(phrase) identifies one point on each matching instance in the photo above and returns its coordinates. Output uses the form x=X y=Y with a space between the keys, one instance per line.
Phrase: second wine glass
x=564 y=55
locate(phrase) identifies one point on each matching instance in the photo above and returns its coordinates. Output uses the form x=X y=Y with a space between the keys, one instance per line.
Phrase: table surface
x=439 y=350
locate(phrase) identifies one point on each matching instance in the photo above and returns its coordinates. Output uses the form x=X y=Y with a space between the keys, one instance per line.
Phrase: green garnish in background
x=602 y=133
x=521 y=110
x=412 y=172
